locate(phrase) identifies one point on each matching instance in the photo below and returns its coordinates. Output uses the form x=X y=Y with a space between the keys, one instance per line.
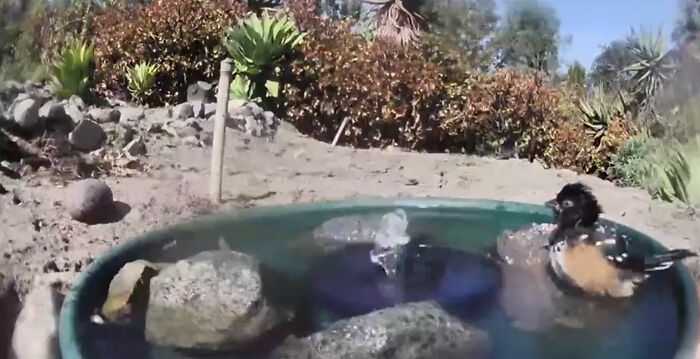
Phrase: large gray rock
x=36 y=331
x=198 y=109
x=77 y=102
x=26 y=112
x=410 y=331
x=9 y=309
x=183 y=111
x=75 y=113
x=89 y=200
x=52 y=110
x=87 y=136
x=104 y=115
x=213 y=300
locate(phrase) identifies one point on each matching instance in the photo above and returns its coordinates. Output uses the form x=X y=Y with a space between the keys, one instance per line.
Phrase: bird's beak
x=552 y=203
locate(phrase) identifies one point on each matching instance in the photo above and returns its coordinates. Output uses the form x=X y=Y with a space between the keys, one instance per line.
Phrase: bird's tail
x=665 y=260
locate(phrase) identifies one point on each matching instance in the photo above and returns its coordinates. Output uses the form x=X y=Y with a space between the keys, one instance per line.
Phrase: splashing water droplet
x=389 y=241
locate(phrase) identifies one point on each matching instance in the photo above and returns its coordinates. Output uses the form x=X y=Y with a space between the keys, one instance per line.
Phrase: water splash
x=389 y=241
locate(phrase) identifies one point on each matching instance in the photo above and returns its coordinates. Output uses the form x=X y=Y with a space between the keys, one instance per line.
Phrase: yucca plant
x=71 y=73
x=256 y=46
x=398 y=21
x=599 y=109
x=653 y=64
x=141 y=79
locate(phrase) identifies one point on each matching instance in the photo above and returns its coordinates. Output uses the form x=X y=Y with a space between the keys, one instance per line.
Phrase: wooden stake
x=217 y=151
x=340 y=130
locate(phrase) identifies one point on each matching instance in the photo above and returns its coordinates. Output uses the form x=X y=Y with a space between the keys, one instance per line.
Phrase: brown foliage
x=183 y=37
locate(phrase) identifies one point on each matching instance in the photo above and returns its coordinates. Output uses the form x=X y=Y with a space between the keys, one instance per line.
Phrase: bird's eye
x=567 y=203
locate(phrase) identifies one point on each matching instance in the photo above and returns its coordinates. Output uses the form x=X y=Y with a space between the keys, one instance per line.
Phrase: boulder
x=131 y=115
x=410 y=331
x=89 y=200
x=87 y=136
x=26 y=112
x=198 y=109
x=211 y=301
x=183 y=111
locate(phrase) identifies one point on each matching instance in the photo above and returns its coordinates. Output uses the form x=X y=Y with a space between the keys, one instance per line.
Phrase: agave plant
x=256 y=45
x=599 y=109
x=141 y=79
x=71 y=72
x=653 y=64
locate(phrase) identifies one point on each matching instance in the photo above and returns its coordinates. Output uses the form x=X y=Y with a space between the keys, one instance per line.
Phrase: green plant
x=652 y=66
x=182 y=36
x=141 y=79
x=71 y=73
x=257 y=45
x=599 y=109
x=633 y=164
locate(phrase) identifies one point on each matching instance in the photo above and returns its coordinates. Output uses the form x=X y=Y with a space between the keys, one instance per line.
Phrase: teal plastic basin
x=276 y=236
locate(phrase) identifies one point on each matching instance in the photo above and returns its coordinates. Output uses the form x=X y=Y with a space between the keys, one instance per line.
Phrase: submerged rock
x=36 y=331
x=211 y=301
x=410 y=331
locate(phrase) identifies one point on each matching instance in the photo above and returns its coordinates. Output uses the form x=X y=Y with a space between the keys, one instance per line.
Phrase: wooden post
x=340 y=131
x=217 y=151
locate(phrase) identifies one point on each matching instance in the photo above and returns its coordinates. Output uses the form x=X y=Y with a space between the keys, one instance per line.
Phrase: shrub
x=71 y=72
x=183 y=37
x=257 y=45
x=391 y=95
x=632 y=165
x=141 y=79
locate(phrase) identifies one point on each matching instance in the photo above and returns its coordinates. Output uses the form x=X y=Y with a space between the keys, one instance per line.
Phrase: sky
x=592 y=23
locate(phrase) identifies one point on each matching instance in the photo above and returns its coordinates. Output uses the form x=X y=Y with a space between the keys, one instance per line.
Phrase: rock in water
x=36 y=331
x=87 y=136
x=410 y=331
x=211 y=301
x=26 y=113
x=90 y=200
x=9 y=309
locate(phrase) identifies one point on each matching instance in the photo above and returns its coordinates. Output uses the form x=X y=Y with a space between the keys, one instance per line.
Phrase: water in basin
x=648 y=327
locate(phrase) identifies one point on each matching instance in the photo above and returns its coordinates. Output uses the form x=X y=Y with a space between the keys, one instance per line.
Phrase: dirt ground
x=37 y=235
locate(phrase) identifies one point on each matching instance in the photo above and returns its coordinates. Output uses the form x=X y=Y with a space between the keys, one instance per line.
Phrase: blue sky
x=592 y=23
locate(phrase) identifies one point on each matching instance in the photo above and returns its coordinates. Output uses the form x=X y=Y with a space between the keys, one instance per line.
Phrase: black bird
x=584 y=258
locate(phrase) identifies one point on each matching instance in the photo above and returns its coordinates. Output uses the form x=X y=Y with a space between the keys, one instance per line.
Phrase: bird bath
x=661 y=324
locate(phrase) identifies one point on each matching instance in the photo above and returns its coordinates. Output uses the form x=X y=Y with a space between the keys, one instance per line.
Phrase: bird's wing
x=616 y=250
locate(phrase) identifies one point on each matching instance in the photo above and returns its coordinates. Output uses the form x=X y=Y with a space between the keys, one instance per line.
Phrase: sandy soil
x=37 y=235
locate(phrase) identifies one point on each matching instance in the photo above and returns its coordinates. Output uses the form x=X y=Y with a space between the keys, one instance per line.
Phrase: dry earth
x=37 y=235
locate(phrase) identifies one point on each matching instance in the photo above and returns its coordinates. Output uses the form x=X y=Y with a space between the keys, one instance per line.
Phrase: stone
x=136 y=147
x=409 y=331
x=211 y=301
x=52 y=110
x=89 y=200
x=200 y=91
x=191 y=141
x=104 y=115
x=130 y=115
x=78 y=102
x=36 y=330
x=74 y=113
x=124 y=135
x=209 y=109
x=10 y=306
x=159 y=115
x=198 y=109
x=252 y=120
x=87 y=136
x=26 y=113
x=183 y=111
